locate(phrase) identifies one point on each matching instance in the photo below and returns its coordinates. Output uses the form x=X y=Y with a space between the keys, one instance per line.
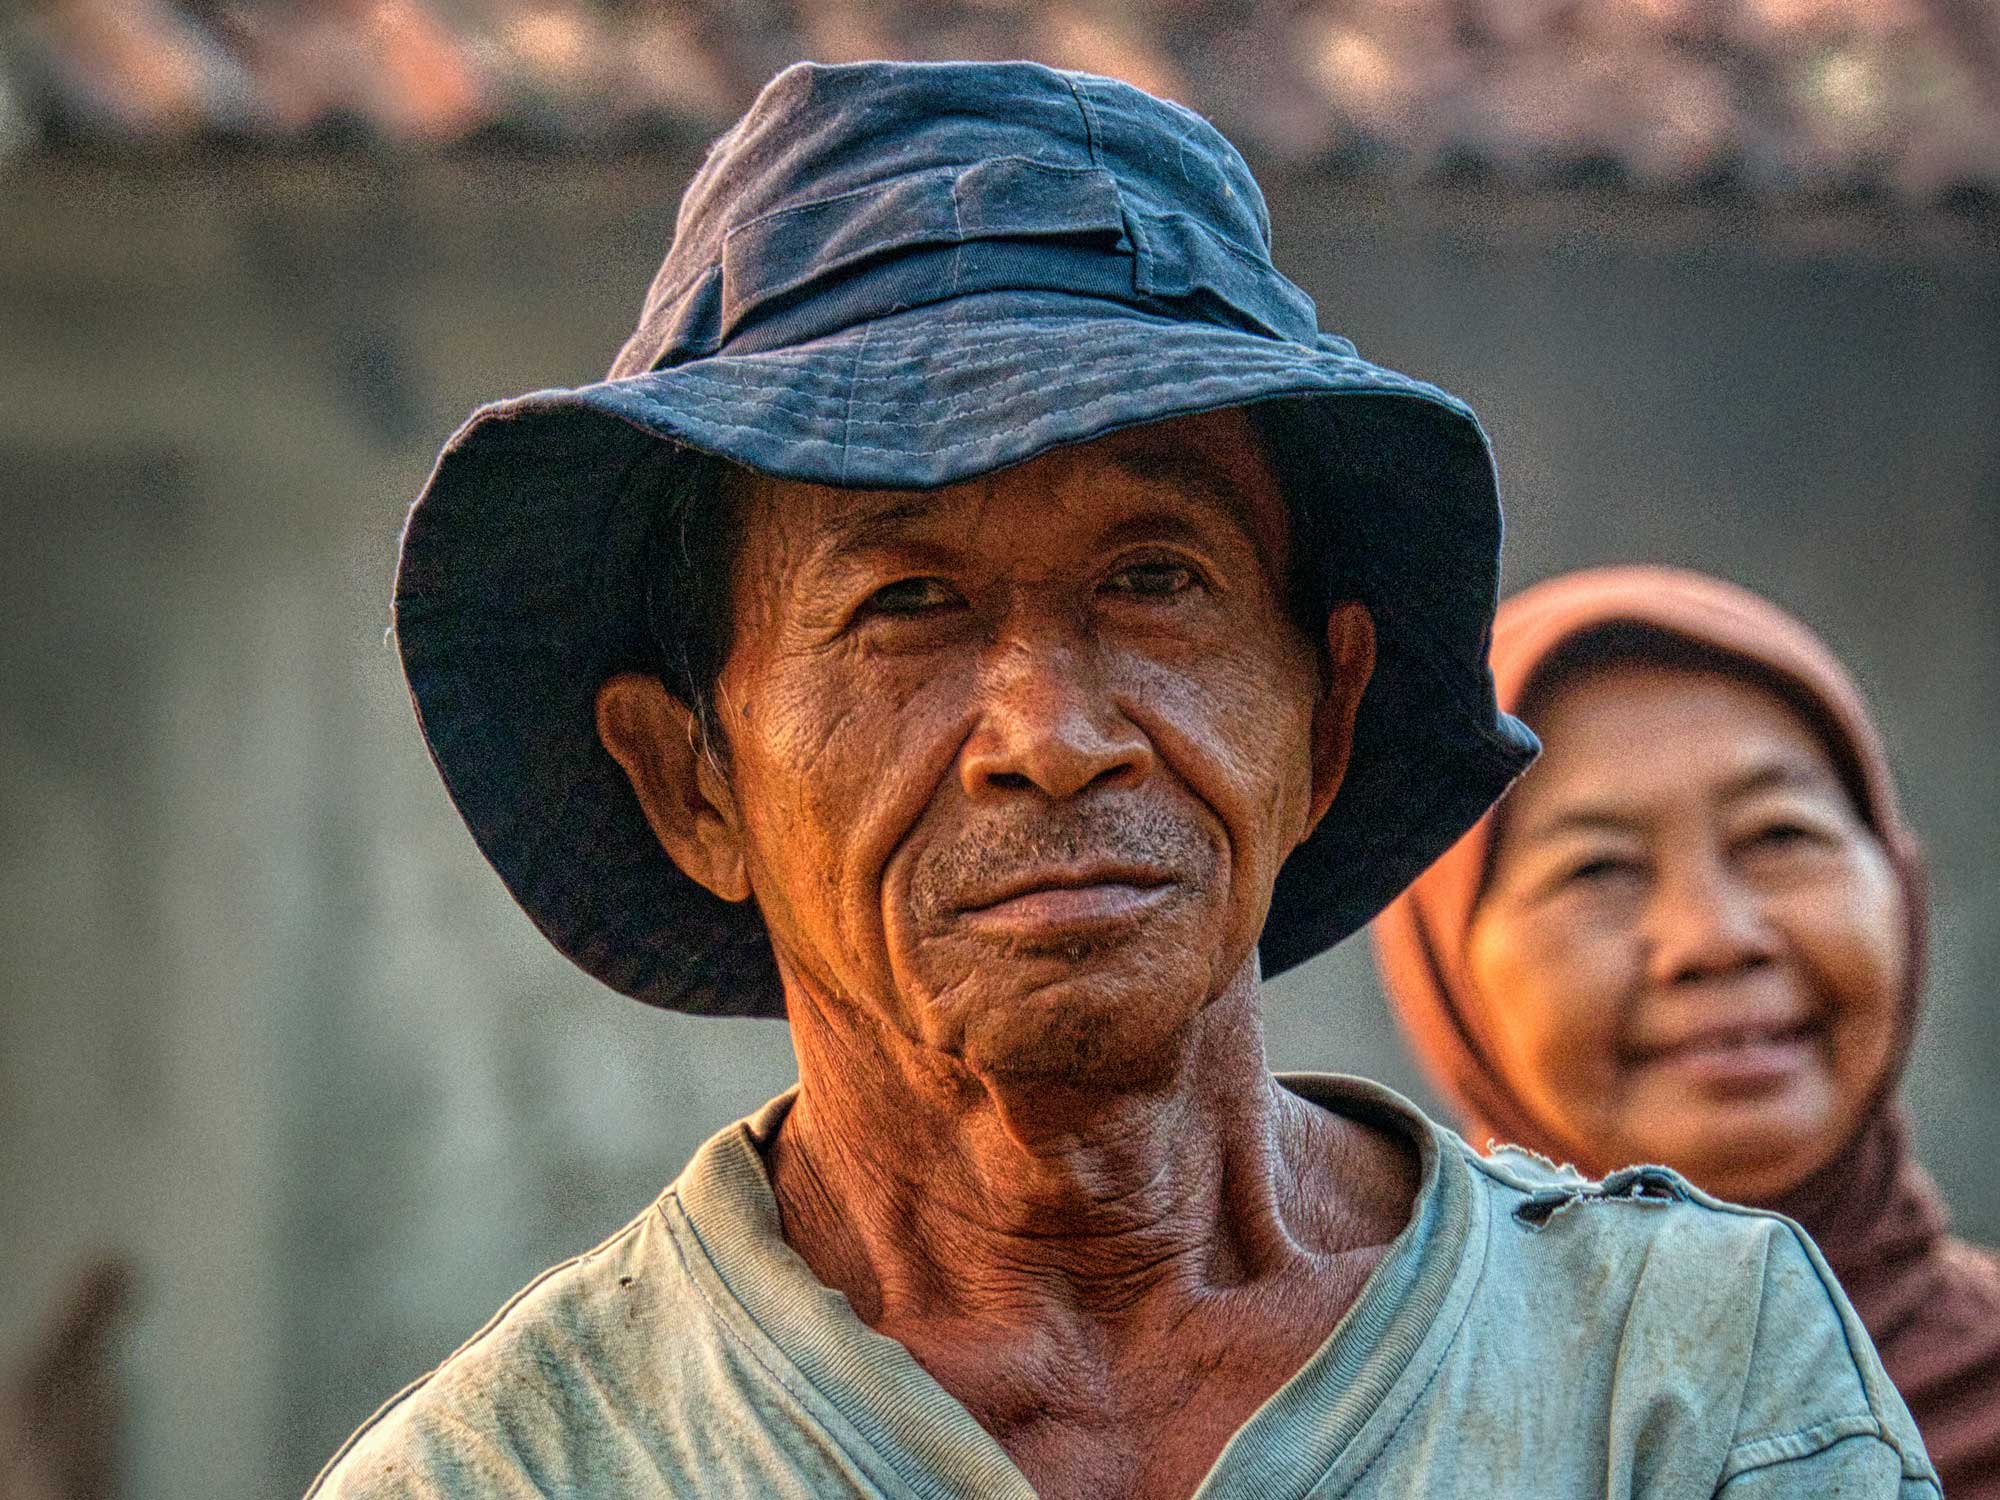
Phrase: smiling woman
x=1694 y=935
x=1699 y=936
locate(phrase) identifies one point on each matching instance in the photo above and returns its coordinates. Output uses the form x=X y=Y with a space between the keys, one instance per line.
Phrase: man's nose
x=1048 y=721
x=1705 y=921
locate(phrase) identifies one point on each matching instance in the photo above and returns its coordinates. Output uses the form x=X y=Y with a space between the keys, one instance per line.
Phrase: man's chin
x=1120 y=1027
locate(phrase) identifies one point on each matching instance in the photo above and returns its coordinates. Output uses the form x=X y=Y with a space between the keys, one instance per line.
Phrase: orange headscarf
x=1931 y=1302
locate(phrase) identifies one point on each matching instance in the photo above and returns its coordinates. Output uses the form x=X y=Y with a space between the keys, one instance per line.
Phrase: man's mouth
x=1069 y=900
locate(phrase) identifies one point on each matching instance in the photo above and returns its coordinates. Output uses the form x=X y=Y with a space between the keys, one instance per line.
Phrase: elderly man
x=984 y=621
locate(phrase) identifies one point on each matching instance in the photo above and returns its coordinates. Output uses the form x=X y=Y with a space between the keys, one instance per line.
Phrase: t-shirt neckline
x=925 y=1443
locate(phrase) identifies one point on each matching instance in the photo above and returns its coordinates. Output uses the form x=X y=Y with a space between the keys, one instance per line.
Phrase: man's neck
x=1034 y=1241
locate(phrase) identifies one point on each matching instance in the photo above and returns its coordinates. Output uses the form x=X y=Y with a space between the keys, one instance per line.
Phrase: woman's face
x=1690 y=949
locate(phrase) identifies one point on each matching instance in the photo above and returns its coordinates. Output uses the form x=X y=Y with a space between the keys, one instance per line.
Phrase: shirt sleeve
x=425 y=1457
x=1862 y=1466
x=1818 y=1415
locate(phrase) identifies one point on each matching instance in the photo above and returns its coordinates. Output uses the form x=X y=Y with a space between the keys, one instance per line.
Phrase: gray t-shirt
x=1527 y=1334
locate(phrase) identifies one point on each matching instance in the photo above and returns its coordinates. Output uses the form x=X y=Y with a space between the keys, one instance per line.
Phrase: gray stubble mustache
x=1001 y=849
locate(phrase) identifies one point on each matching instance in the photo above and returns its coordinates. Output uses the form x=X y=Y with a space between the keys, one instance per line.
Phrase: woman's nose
x=1704 y=921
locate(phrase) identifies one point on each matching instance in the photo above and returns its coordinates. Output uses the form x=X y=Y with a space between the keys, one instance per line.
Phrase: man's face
x=1014 y=764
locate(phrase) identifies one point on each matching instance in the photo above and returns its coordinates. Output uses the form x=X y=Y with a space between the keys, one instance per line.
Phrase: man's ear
x=1350 y=662
x=685 y=797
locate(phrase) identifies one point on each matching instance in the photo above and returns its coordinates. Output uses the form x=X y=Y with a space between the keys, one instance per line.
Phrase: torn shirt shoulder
x=1703 y=1303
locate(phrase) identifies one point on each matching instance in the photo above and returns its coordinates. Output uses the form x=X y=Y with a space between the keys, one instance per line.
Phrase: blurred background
x=291 y=1097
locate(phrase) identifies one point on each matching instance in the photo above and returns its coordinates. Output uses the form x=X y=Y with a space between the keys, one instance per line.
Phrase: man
x=984 y=621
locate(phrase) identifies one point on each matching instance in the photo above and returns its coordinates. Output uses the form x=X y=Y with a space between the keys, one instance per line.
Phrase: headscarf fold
x=1931 y=1302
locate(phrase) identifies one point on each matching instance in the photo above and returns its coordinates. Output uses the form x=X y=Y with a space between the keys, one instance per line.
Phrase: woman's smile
x=1733 y=1059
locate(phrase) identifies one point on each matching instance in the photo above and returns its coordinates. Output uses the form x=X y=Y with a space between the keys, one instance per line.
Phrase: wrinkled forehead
x=1210 y=465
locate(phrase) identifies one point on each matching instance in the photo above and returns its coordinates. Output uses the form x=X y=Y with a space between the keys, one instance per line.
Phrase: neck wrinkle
x=1001 y=1200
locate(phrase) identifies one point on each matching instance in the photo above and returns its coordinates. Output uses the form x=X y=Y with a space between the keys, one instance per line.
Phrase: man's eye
x=910 y=596
x=1152 y=580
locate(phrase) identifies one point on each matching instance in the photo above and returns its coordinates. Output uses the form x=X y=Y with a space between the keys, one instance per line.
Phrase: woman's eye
x=910 y=596
x=1152 y=580
x=1778 y=837
x=1600 y=870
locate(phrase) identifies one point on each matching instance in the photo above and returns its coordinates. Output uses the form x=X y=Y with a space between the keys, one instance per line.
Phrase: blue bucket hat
x=903 y=276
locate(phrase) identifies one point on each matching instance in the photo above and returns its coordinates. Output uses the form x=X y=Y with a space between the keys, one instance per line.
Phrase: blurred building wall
x=271 y=1026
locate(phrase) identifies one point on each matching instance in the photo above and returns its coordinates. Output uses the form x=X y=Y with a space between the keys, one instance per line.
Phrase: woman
x=1693 y=934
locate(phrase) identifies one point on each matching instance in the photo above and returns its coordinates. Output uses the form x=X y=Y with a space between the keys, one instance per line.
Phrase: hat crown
x=849 y=192
x=907 y=276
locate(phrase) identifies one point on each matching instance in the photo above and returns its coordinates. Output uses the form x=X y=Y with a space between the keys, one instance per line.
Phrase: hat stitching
x=737 y=371
x=1126 y=334
x=1011 y=374
x=1036 y=329
x=807 y=359
x=1251 y=256
x=807 y=362
x=1092 y=132
x=994 y=351
x=1025 y=328
x=690 y=388
x=853 y=385
x=1069 y=413
x=1260 y=352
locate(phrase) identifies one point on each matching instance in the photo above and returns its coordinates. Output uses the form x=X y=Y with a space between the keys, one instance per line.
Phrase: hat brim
x=519 y=591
